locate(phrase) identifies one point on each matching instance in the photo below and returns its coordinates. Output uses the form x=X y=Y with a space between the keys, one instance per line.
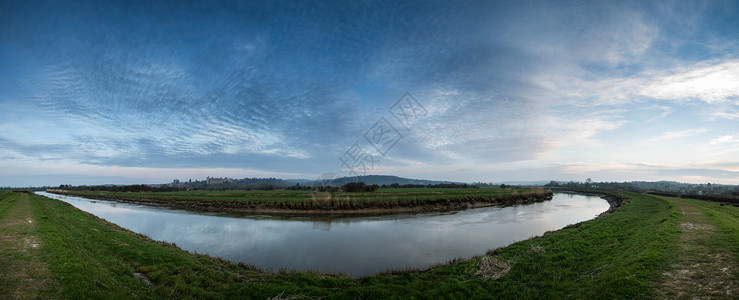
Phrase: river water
x=354 y=245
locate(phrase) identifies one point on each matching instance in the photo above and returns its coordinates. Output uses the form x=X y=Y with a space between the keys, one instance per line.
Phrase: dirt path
x=23 y=275
x=703 y=269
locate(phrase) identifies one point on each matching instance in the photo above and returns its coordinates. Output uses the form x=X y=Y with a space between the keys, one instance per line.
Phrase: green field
x=625 y=254
x=309 y=200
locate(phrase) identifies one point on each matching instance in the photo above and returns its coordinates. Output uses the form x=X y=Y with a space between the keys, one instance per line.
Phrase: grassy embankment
x=707 y=256
x=393 y=199
x=24 y=274
x=618 y=255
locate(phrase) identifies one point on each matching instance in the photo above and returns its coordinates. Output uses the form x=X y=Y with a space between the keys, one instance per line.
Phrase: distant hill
x=270 y=183
x=382 y=179
x=525 y=183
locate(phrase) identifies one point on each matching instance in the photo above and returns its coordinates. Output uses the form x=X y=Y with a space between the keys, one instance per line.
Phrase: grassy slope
x=95 y=259
x=615 y=256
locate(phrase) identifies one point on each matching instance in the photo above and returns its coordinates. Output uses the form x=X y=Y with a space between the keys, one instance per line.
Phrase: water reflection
x=356 y=245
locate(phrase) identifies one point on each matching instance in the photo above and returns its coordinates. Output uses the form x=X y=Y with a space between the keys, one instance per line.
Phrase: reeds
x=418 y=198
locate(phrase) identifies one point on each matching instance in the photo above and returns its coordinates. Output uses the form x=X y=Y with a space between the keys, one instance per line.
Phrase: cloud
x=592 y=167
x=577 y=127
x=41 y=151
x=606 y=36
x=673 y=135
x=143 y=106
x=725 y=112
x=263 y=92
x=471 y=126
x=19 y=173
x=710 y=83
x=624 y=171
x=666 y=111
x=714 y=83
x=292 y=86
x=706 y=174
x=724 y=139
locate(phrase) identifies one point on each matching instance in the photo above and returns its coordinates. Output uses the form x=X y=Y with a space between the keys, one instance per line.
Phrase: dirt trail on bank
x=23 y=275
x=703 y=269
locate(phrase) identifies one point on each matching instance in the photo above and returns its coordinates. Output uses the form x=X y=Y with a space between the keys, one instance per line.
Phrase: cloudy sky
x=96 y=92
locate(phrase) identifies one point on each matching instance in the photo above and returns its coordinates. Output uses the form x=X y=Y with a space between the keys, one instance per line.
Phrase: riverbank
x=619 y=255
x=291 y=202
x=377 y=242
x=614 y=198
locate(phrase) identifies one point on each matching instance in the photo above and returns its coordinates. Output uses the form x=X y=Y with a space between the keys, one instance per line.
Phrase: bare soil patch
x=491 y=267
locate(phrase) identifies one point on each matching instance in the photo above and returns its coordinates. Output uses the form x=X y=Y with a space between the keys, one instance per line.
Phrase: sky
x=127 y=92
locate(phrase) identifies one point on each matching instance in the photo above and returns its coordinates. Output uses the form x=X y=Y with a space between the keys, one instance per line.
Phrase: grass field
x=625 y=254
x=426 y=198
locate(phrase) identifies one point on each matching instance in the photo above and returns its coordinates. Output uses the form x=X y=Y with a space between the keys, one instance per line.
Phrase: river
x=354 y=245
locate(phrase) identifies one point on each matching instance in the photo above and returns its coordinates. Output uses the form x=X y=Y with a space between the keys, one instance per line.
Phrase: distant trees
x=298 y=187
x=665 y=188
x=136 y=188
x=440 y=185
x=359 y=187
x=590 y=184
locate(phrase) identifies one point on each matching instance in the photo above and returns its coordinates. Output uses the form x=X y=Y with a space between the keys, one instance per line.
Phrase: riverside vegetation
x=392 y=199
x=52 y=250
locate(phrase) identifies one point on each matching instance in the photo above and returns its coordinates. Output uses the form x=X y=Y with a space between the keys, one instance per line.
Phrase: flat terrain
x=422 y=199
x=634 y=252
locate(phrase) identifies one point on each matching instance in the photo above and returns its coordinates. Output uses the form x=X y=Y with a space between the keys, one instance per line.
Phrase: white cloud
x=593 y=167
x=585 y=128
x=724 y=139
x=672 y=135
x=729 y=112
x=710 y=83
x=611 y=37
x=631 y=40
x=666 y=110
x=143 y=174
x=713 y=83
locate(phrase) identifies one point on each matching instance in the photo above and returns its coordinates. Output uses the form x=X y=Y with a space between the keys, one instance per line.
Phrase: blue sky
x=96 y=92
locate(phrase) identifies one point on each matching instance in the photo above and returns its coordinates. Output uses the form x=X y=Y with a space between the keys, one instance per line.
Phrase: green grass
x=286 y=199
x=618 y=255
x=725 y=218
x=23 y=272
x=92 y=258
x=704 y=265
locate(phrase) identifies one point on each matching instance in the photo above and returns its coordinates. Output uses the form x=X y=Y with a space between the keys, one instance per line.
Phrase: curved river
x=354 y=245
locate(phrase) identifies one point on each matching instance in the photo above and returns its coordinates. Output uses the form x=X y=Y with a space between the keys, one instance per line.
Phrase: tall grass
x=309 y=200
